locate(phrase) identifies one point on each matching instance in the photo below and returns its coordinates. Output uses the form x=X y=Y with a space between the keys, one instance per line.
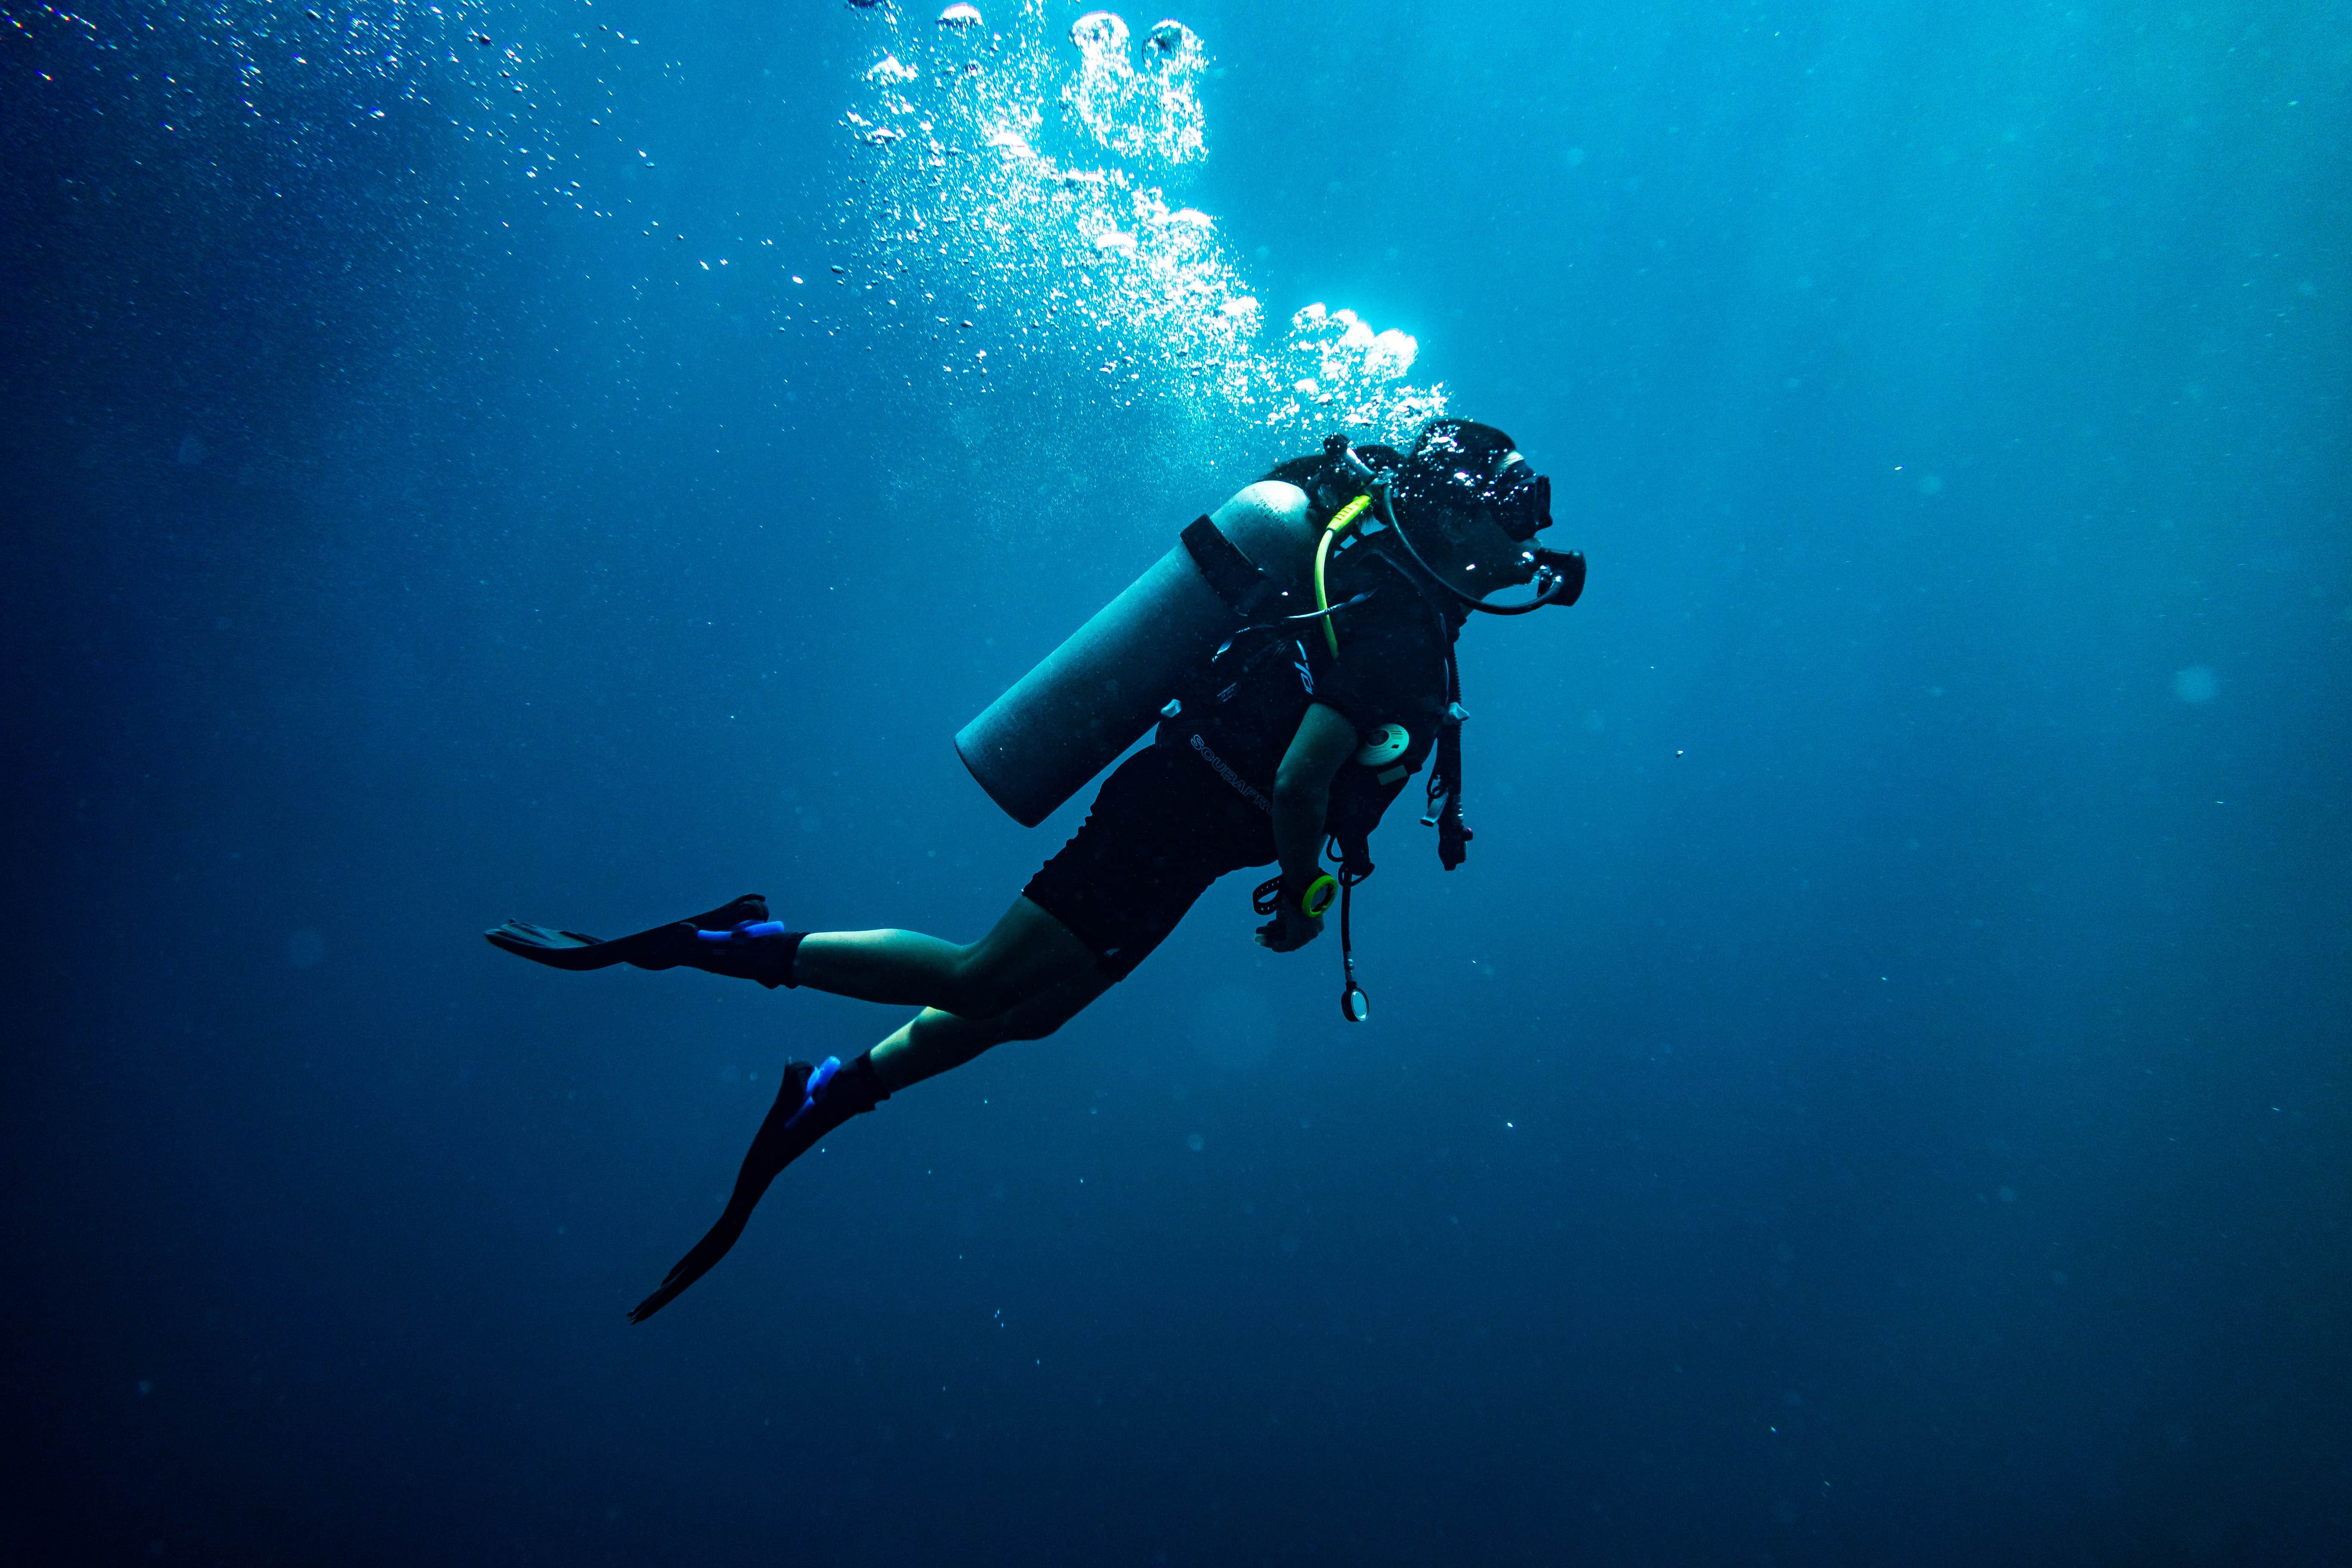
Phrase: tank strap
x=1236 y=577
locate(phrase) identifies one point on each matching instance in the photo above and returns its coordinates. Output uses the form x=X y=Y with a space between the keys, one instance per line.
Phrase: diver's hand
x=1290 y=930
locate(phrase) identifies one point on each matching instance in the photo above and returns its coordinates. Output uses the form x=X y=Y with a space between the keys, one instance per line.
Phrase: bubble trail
x=1028 y=172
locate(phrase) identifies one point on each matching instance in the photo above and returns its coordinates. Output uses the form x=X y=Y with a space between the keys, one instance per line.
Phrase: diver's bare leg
x=1027 y=952
x=932 y=1041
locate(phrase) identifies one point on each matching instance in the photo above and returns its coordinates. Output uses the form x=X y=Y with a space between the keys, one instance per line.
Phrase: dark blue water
x=1876 y=1093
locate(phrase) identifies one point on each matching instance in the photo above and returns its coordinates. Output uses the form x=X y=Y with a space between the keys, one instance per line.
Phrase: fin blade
x=557 y=949
x=776 y=1147
x=652 y=948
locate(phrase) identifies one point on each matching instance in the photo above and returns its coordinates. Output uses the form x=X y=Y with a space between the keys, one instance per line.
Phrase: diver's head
x=1472 y=504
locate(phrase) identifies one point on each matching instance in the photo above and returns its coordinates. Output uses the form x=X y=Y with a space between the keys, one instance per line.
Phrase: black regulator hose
x=1564 y=569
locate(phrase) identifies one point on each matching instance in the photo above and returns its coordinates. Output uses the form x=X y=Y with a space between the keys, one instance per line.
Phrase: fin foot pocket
x=761 y=950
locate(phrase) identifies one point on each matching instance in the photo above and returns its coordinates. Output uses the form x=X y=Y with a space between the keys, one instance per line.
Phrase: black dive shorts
x=1162 y=828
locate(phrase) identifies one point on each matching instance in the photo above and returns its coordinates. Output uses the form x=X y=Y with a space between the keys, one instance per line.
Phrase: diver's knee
x=980 y=984
x=1033 y=1028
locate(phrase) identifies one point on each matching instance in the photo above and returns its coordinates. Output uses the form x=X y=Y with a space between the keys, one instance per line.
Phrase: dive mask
x=1518 y=497
x=1522 y=500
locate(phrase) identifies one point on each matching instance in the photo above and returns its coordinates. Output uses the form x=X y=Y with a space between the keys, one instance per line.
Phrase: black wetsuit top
x=1197 y=804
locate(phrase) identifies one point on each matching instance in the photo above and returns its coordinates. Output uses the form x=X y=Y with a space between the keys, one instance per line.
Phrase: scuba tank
x=1093 y=697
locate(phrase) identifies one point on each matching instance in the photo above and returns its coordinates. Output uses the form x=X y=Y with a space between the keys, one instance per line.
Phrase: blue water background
x=1878 y=1092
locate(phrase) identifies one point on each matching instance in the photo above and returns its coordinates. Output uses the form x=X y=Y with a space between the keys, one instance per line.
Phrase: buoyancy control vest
x=1339 y=482
x=1241 y=713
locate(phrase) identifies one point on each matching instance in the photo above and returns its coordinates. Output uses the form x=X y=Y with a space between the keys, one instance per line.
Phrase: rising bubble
x=2196 y=684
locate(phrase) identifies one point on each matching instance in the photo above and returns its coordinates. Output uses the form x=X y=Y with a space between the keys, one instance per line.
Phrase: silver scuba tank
x=1095 y=695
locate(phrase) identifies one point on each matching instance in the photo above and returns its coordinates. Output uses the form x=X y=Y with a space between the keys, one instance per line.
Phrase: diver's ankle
x=859 y=1087
x=762 y=950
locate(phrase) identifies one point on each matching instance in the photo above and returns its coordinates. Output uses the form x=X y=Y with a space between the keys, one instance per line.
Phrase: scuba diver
x=1284 y=733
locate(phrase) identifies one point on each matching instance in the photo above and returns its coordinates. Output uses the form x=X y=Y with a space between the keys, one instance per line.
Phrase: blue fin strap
x=817 y=1081
x=744 y=931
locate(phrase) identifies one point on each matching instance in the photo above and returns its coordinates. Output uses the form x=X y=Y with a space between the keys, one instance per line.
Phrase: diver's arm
x=1302 y=799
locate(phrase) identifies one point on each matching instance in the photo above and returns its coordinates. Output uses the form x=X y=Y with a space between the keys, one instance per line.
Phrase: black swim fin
x=811 y=1102
x=662 y=947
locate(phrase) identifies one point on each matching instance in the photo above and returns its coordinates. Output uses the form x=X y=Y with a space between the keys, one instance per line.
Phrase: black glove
x=1291 y=928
